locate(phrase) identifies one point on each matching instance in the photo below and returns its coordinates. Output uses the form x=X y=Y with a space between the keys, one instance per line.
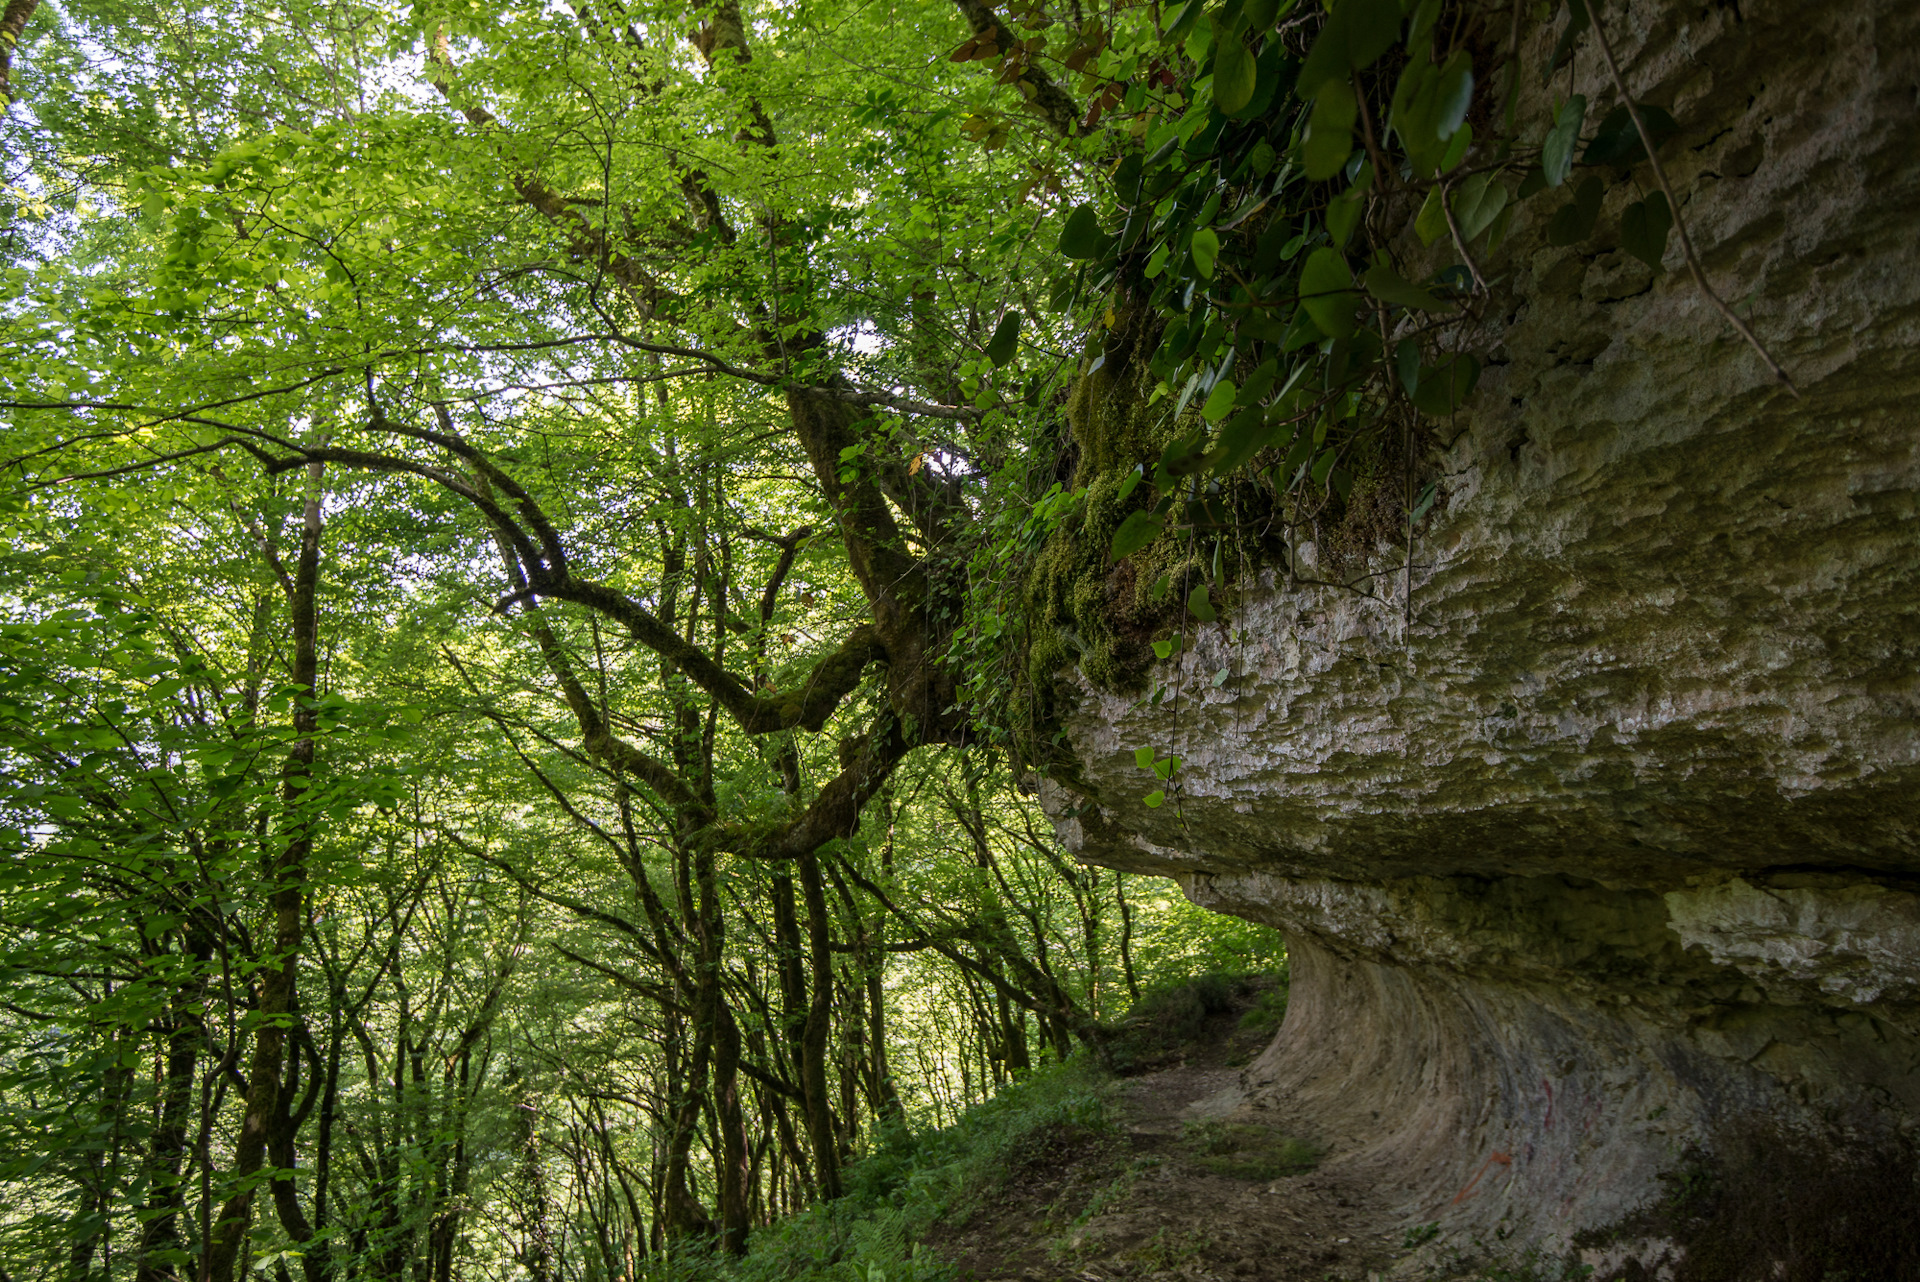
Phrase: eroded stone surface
x=1608 y=836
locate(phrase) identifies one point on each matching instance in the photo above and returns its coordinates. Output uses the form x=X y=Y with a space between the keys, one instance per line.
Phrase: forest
x=487 y=845
x=539 y=542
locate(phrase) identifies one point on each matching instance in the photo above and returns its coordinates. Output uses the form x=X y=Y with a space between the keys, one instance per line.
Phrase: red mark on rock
x=1505 y=1159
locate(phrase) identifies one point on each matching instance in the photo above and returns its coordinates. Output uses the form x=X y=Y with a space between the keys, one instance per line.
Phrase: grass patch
x=1244 y=1151
x=908 y=1183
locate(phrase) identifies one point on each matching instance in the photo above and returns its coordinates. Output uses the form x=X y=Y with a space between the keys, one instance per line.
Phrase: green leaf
x=1389 y=286
x=1453 y=95
x=1356 y=33
x=1618 y=143
x=1081 y=237
x=1234 y=76
x=1425 y=14
x=1127 y=485
x=1430 y=224
x=1476 y=203
x=1556 y=155
x=1573 y=222
x=1443 y=389
x=1644 y=226
x=1322 y=466
x=1005 y=340
x=1563 y=49
x=1425 y=503
x=1258 y=383
x=1166 y=649
x=1429 y=105
x=1200 y=606
x=1155 y=799
x=1327 y=294
x=1219 y=401
x=1165 y=767
x=1406 y=363
x=1329 y=139
x=1246 y=434
x=1220 y=677
x=1158 y=592
x=1206 y=249
x=1343 y=215
x=1273 y=69
x=1138 y=530
x=1143 y=757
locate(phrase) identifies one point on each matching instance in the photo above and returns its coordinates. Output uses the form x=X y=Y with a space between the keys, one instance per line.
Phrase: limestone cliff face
x=1611 y=835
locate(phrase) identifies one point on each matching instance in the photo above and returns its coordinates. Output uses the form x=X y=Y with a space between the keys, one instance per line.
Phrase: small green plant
x=1420 y=1234
x=1165 y=1253
x=1268 y=1012
x=1244 y=1151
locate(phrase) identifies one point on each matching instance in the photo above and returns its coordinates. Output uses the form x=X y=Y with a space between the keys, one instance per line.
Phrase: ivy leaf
x=1389 y=286
x=1258 y=383
x=1425 y=503
x=1617 y=142
x=1246 y=434
x=1429 y=105
x=1443 y=389
x=1273 y=71
x=1200 y=606
x=1644 y=226
x=1081 y=237
x=1563 y=49
x=1206 y=249
x=1219 y=401
x=1556 y=155
x=1322 y=466
x=1143 y=758
x=1155 y=799
x=1329 y=139
x=1406 y=363
x=1343 y=215
x=1476 y=203
x=1573 y=222
x=1453 y=95
x=1138 y=530
x=1220 y=677
x=1234 y=76
x=1005 y=340
x=1168 y=648
x=1165 y=767
x=1158 y=593
x=1327 y=294
x=1430 y=224
x=1357 y=32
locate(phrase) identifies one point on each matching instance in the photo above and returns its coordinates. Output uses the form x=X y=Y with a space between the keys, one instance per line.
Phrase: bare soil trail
x=1196 y=1186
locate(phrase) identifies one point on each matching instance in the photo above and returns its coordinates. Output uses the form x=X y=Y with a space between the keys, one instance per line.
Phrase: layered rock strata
x=1608 y=839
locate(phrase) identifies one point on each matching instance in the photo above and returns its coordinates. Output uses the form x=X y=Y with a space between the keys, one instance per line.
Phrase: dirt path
x=1195 y=1188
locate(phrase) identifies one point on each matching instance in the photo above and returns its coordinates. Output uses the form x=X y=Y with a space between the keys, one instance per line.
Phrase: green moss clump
x=1085 y=609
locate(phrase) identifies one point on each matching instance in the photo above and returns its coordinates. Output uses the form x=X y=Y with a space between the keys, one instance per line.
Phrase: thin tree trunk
x=286 y=905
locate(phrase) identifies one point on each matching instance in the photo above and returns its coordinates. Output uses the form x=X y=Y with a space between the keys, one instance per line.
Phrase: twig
x=1673 y=204
x=1380 y=172
x=1459 y=241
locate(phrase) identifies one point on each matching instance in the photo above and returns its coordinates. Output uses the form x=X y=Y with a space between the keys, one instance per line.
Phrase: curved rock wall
x=1611 y=835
